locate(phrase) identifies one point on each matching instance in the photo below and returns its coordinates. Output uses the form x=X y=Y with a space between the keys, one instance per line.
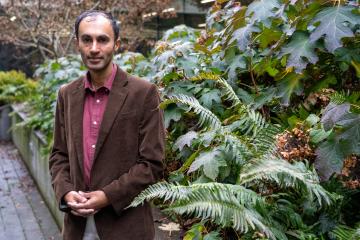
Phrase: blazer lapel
x=77 y=106
x=116 y=100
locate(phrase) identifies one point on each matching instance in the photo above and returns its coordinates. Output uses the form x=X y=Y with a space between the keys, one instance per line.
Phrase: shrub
x=15 y=87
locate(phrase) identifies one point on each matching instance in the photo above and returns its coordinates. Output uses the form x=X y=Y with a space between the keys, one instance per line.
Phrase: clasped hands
x=85 y=204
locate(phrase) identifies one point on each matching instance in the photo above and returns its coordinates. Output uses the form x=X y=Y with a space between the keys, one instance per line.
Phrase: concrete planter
x=5 y=122
x=29 y=143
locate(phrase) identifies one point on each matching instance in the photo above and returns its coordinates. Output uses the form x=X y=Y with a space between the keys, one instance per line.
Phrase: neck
x=98 y=78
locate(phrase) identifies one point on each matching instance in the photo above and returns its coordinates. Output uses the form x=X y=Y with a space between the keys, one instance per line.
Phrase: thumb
x=85 y=194
x=79 y=198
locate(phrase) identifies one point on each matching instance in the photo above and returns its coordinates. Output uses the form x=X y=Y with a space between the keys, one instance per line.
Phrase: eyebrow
x=98 y=36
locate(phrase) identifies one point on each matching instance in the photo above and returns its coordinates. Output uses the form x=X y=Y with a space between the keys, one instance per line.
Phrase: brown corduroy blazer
x=128 y=156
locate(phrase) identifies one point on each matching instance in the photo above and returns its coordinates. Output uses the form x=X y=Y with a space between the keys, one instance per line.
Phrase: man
x=108 y=141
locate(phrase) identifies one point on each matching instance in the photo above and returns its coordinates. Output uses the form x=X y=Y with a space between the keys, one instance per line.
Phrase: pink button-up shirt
x=94 y=108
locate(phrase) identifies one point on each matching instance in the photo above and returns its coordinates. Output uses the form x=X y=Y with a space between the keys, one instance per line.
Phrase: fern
x=207 y=118
x=229 y=91
x=285 y=175
x=338 y=98
x=342 y=232
x=341 y=97
x=241 y=149
x=227 y=205
x=265 y=140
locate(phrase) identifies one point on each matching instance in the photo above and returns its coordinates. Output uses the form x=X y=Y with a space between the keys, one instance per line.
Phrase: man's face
x=96 y=43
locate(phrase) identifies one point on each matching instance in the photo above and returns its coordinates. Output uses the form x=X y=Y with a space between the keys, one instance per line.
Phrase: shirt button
x=95 y=122
x=98 y=100
x=93 y=146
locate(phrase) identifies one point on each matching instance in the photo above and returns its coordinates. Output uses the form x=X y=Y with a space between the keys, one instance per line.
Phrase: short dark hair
x=93 y=13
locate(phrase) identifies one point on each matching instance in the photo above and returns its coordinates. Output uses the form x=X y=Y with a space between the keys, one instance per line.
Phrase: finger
x=76 y=206
x=85 y=211
x=73 y=205
x=87 y=195
x=79 y=198
x=76 y=213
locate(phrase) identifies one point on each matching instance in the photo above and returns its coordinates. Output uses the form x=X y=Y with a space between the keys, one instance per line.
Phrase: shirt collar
x=108 y=82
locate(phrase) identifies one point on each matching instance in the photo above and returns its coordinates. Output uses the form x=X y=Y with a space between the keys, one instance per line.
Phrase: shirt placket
x=95 y=120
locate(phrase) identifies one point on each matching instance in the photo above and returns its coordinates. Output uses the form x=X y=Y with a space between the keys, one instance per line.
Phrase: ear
x=76 y=40
x=117 y=45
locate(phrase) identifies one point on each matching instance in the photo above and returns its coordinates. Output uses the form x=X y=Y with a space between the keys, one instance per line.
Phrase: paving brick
x=23 y=214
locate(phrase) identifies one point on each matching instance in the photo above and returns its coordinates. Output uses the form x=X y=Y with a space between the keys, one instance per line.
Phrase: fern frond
x=338 y=98
x=229 y=91
x=162 y=190
x=342 y=232
x=250 y=123
x=240 y=148
x=265 y=141
x=206 y=117
x=225 y=204
x=286 y=175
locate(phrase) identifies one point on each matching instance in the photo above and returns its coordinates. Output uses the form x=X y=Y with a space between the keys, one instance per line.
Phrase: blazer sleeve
x=149 y=167
x=59 y=161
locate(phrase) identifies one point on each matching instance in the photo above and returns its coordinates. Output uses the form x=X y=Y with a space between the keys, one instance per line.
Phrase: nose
x=94 y=47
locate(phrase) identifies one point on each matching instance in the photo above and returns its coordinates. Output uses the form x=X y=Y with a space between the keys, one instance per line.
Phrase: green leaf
x=210 y=97
x=264 y=98
x=55 y=66
x=262 y=10
x=329 y=158
x=334 y=24
x=312 y=119
x=347 y=55
x=210 y=162
x=293 y=121
x=289 y=85
x=185 y=140
x=318 y=135
x=333 y=113
x=237 y=63
x=268 y=36
x=172 y=113
x=242 y=36
x=299 y=49
x=351 y=136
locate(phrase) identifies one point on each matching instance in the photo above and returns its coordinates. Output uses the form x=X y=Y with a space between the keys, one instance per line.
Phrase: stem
x=253 y=79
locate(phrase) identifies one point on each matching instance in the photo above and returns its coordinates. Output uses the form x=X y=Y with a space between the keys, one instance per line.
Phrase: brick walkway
x=23 y=213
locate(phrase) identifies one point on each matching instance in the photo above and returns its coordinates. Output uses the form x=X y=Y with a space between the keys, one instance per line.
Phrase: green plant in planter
x=16 y=87
x=235 y=177
x=52 y=75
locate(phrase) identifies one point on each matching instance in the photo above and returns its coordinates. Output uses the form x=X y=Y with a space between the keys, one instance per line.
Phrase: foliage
x=344 y=232
x=15 y=87
x=231 y=93
x=134 y=63
x=53 y=74
x=253 y=68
